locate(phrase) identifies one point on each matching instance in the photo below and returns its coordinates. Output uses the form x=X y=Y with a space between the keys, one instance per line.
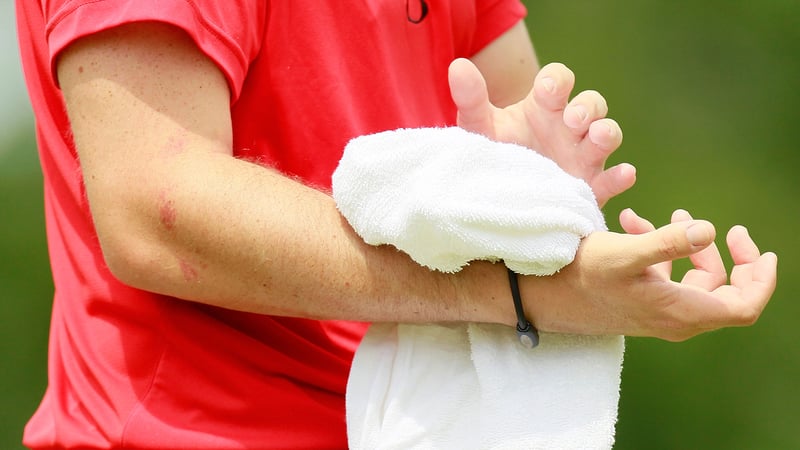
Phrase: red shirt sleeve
x=493 y=18
x=228 y=32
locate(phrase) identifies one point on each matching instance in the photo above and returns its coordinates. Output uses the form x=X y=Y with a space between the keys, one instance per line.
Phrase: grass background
x=707 y=94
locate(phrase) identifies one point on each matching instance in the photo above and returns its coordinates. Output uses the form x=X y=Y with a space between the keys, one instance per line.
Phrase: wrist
x=527 y=333
x=538 y=293
x=485 y=295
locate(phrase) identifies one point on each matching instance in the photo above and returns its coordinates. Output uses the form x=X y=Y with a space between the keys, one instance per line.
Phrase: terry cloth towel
x=447 y=197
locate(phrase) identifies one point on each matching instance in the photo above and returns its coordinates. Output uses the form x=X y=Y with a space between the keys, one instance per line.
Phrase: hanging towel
x=447 y=197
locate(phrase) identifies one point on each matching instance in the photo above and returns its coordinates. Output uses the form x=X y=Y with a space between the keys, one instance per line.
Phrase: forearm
x=247 y=238
x=177 y=214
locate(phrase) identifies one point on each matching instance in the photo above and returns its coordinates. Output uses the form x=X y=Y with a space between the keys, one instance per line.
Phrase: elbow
x=133 y=231
x=130 y=257
x=132 y=248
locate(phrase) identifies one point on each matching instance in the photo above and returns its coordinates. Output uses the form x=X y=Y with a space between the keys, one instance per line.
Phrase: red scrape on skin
x=189 y=272
x=166 y=211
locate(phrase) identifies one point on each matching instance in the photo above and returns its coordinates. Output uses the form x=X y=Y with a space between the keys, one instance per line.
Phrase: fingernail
x=627 y=169
x=580 y=111
x=549 y=84
x=681 y=215
x=697 y=234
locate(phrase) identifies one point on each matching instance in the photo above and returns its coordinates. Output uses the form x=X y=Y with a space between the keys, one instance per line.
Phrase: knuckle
x=670 y=246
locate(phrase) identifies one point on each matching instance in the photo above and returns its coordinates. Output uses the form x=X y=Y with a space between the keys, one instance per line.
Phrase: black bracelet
x=528 y=335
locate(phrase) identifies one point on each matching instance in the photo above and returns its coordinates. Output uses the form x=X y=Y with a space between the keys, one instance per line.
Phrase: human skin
x=211 y=239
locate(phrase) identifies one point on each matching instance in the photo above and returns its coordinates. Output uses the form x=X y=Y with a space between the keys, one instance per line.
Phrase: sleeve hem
x=79 y=19
x=494 y=19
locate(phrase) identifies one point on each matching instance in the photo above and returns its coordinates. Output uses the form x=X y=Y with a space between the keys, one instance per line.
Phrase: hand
x=577 y=136
x=624 y=281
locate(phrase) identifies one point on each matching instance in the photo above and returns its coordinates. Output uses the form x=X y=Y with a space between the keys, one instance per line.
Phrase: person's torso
x=135 y=369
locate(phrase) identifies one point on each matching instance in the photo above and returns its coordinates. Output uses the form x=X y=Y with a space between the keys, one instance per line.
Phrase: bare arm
x=177 y=214
x=509 y=65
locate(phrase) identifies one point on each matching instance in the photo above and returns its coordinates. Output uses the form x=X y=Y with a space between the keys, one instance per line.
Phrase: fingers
x=674 y=241
x=471 y=96
x=606 y=134
x=612 y=182
x=552 y=86
x=630 y=269
x=632 y=223
x=743 y=249
x=744 y=252
x=579 y=138
x=602 y=139
x=709 y=270
x=583 y=110
x=761 y=285
x=754 y=274
x=765 y=270
x=704 y=301
x=741 y=302
x=753 y=280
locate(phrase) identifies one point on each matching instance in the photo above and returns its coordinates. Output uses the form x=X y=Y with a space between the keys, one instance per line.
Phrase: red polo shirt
x=129 y=368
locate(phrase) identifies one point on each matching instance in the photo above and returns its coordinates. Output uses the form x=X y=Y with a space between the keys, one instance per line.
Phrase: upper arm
x=139 y=98
x=509 y=65
x=139 y=82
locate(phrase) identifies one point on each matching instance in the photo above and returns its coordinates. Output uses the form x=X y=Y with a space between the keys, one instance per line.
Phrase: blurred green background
x=707 y=94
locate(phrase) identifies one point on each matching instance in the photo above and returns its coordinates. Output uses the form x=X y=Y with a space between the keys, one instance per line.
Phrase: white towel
x=446 y=197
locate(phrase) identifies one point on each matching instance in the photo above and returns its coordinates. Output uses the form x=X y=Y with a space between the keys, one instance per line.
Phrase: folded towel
x=446 y=197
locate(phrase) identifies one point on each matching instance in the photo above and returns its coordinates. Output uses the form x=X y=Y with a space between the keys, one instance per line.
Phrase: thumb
x=670 y=242
x=471 y=96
